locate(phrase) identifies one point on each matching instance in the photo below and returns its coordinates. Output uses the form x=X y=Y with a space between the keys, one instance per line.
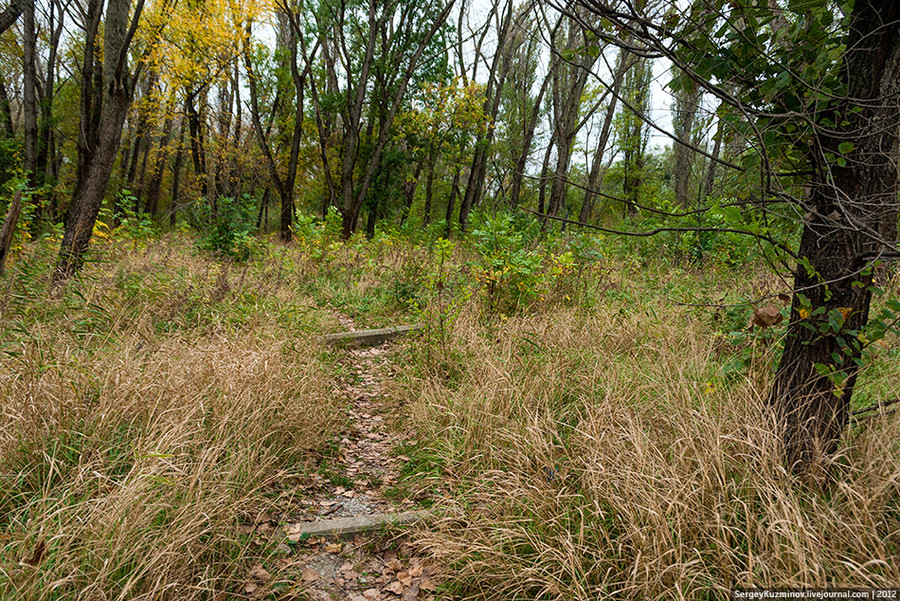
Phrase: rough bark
x=569 y=80
x=118 y=92
x=162 y=155
x=176 y=175
x=91 y=99
x=852 y=220
x=11 y=14
x=5 y=110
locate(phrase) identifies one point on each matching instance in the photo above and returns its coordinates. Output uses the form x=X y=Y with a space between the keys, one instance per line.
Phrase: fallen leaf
x=395 y=565
x=357 y=597
x=371 y=594
x=334 y=548
x=428 y=585
x=766 y=317
x=405 y=578
x=411 y=593
x=250 y=588
x=394 y=587
x=261 y=574
x=40 y=549
x=416 y=571
x=310 y=575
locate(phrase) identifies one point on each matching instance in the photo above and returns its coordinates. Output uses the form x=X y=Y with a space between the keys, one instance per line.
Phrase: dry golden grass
x=141 y=420
x=598 y=456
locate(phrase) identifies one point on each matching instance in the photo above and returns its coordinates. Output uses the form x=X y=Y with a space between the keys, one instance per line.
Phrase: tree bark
x=687 y=102
x=11 y=14
x=29 y=97
x=569 y=80
x=852 y=221
x=594 y=179
x=500 y=66
x=86 y=203
x=162 y=155
x=9 y=227
x=176 y=175
x=6 y=110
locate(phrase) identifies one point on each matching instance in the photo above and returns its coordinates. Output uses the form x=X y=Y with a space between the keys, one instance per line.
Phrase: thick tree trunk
x=91 y=102
x=11 y=14
x=852 y=221
x=86 y=205
x=89 y=196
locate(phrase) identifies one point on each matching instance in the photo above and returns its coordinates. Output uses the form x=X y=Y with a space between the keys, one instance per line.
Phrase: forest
x=644 y=250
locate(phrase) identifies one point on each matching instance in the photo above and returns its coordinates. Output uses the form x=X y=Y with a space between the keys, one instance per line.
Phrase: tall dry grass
x=142 y=417
x=601 y=455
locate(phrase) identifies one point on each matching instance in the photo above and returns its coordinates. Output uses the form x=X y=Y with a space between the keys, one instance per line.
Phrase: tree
x=569 y=72
x=393 y=34
x=813 y=85
x=114 y=99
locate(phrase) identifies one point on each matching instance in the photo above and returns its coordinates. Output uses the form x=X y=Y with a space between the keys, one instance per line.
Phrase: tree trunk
x=497 y=77
x=176 y=175
x=593 y=183
x=528 y=138
x=153 y=188
x=686 y=103
x=852 y=221
x=46 y=141
x=6 y=110
x=409 y=192
x=709 y=185
x=11 y=14
x=29 y=98
x=454 y=194
x=9 y=227
x=89 y=196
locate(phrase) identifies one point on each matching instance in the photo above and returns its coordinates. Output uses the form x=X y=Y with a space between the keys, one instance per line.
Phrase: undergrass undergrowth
x=145 y=409
x=594 y=415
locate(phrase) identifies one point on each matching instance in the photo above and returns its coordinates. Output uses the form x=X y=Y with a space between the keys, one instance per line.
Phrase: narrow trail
x=359 y=478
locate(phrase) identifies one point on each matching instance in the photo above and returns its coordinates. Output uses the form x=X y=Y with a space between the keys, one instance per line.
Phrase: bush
x=228 y=231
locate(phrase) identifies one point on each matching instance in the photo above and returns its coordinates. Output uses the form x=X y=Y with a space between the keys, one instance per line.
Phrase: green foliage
x=135 y=226
x=506 y=266
x=228 y=231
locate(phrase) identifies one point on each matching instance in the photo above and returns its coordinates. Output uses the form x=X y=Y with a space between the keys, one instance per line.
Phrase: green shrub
x=226 y=231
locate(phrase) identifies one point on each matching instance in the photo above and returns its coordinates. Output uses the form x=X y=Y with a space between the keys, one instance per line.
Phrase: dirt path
x=359 y=479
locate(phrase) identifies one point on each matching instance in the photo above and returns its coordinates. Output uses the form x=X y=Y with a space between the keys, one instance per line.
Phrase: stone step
x=341 y=527
x=369 y=337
